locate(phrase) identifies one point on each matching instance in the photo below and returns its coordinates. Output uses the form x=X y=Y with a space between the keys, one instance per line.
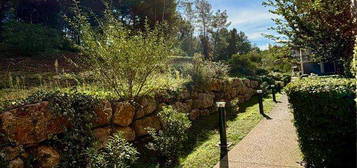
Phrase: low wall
x=27 y=127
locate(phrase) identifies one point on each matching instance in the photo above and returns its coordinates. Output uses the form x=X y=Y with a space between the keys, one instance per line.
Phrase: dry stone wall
x=29 y=126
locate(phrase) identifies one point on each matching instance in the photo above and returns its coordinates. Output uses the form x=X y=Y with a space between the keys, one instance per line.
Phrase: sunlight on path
x=271 y=144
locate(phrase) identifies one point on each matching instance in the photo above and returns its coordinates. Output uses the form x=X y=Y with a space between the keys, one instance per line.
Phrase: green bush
x=168 y=142
x=243 y=65
x=325 y=117
x=31 y=39
x=78 y=108
x=117 y=153
x=203 y=71
x=278 y=79
x=126 y=62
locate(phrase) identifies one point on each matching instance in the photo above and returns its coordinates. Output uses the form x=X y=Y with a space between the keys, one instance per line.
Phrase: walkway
x=271 y=144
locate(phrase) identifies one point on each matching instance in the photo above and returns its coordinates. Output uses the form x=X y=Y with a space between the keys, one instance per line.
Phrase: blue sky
x=249 y=16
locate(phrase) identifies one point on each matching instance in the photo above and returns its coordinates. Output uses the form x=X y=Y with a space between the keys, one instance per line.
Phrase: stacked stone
x=28 y=126
x=201 y=103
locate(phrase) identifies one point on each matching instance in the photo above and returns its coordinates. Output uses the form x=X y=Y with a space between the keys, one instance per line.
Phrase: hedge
x=325 y=118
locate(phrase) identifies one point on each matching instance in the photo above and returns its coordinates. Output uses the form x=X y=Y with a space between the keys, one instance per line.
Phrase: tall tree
x=187 y=28
x=238 y=43
x=204 y=20
x=219 y=37
x=325 y=27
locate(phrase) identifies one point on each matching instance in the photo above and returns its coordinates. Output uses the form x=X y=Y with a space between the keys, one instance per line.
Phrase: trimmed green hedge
x=325 y=117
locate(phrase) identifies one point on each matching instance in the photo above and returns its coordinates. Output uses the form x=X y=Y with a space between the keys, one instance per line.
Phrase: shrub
x=117 y=153
x=203 y=71
x=79 y=110
x=242 y=65
x=30 y=39
x=325 y=117
x=125 y=61
x=168 y=142
x=278 y=79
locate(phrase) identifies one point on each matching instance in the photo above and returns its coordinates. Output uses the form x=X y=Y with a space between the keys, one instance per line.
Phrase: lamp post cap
x=259 y=91
x=221 y=104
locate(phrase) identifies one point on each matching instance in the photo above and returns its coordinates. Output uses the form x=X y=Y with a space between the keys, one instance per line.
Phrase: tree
x=244 y=64
x=277 y=59
x=188 y=42
x=326 y=27
x=219 y=33
x=138 y=12
x=204 y=20
x=132 y=13
x=30 y=39
x=220 y=39
x=237 y=43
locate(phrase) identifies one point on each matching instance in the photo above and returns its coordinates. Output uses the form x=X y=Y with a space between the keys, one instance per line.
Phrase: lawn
x=203 y=151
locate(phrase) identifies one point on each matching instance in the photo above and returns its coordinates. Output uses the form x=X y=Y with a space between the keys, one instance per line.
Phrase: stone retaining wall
x=30 y=125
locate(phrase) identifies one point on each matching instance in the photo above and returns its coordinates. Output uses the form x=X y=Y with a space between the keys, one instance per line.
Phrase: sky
x=249 y=16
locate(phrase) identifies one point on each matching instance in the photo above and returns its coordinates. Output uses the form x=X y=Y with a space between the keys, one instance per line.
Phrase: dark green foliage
x=117 y=153
x=325 y=117
x=228 y=43
x=168 y=142
x=31 y=39
x=280 y=80
x=259 y=63
x=43 y=25
x=79 y=110
x=245 y=64
x=327 y=27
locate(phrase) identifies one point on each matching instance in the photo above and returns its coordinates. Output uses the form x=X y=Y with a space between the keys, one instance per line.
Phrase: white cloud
x=255 y=35
x=252 y=16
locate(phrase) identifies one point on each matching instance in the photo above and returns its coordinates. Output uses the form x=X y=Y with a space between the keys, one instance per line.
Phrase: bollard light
x=221 y=104
x=273 y=92
x=260 y=100
x=222 y=128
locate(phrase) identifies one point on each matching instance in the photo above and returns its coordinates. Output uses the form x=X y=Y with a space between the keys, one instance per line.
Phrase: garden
x=118 y=84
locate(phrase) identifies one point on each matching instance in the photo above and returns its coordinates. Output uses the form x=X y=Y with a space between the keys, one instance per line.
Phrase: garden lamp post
x=222 y=128
x=273 y=92
x=260 y=100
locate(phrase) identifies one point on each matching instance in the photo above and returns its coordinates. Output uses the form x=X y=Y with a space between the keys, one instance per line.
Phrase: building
x=306 y=65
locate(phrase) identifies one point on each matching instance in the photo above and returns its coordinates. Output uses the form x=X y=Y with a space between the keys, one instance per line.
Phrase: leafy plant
x=168 y=142
x=117 y=153
x=325 y=117
x=312 y=25
x=125 y=61
x=203 y=71
x=244 y=65
x=78 y=109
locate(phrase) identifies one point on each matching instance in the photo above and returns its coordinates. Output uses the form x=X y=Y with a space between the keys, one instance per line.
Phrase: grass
x=202 y=150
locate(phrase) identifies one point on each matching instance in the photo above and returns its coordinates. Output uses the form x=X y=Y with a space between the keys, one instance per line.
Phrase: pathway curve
x=271 y=144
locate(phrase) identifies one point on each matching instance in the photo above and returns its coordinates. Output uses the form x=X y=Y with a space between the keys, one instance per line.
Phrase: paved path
x=271 y=144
